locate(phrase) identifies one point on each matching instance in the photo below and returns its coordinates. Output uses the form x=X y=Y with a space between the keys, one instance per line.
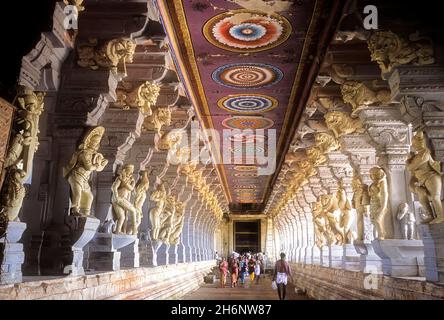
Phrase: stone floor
x=261 y=291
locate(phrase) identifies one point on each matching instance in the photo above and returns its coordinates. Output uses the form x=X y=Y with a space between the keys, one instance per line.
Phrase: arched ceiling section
x=245 y=65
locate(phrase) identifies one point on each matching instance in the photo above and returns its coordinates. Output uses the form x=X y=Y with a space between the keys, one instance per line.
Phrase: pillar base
x=82 y=231
x=401 y=258
x=325 y=256
x=369 y=261
x=163 y=255
x=433 y=238
x=13 y=255
x=350 y=258
x=316 y=255
x=130 y=256
x=335 y=256
x=103 y=251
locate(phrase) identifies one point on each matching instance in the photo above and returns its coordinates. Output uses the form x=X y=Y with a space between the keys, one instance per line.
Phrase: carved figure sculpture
x=331 y=211
x=340 y=123
x=425 y=179
x=13 y=193
x=326 y=142
x=316 y=156
x=360 y=96
x=123 y=209
x=361 y=202
x=85 y=160
x=408 y=221
x=167 y=219
x=320 y=224
x=109 y=55
x=160 y=117
x=143 y=97
x=159 y=197
x=141 y=190
x=178 y=222
x=378 y=192
x=21 y=152
x=347 y=218
x=389 y=50
x=77 y=3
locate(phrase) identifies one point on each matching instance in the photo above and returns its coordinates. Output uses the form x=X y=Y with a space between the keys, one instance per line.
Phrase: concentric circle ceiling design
x=245 y=175
x=248 y=150
x=247 y=30
x=247 y=122
x=248 y=103
x=247 y=75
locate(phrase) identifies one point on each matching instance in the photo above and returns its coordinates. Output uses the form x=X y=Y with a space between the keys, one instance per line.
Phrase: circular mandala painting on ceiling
x=247 y=30
x=248 y=150
x=247 y=138
x=247 y=75
x=247 y=122
x=248 y=103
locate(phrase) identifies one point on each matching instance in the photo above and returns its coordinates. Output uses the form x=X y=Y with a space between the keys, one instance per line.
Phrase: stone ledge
x=163 y=282
x=338 y=284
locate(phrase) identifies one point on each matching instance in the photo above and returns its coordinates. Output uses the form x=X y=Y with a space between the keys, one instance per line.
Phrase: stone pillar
x=11 y=253
x=392 y=137
x=104 y=254
x=362 y=157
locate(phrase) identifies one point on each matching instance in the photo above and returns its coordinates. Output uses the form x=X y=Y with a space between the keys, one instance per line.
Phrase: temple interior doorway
x=247 y=236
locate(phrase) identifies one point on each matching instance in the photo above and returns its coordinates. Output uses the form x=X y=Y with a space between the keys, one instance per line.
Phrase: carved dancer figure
x=85 y=160
x=331 y=210
x=361 y=202
x=159 y=197
x=178 y=222
x=141 y=190
x=347 y=217
x=123 y=209
x=426 y=179
x=320 y=225
x=378 y=192
x=167 y=219
x=408 y=221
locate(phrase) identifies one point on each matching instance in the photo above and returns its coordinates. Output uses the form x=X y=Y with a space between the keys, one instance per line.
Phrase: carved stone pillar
x=11 y=252
x=392 y=138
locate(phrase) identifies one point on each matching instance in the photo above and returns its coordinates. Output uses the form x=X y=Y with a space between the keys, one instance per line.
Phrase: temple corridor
x=144 y=141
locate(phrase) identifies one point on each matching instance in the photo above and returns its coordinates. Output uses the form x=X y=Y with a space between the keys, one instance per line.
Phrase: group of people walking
x=253 y=266
x=240 y=267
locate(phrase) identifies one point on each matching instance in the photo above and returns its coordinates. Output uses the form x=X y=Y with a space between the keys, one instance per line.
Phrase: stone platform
x=338 y=284
x=163 y=282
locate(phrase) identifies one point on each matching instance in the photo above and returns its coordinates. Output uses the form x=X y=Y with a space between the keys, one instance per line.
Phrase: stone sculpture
x=20 y=156
x=426 y=179
x=85 y=160
x=109 y=55
x=159 y=197
x=361 y=203
x=408 y=221
x=76 y=3
x=359 y=96
x=141 y=190
x=178 y=222
x=389 y=50
x=347 y=217
x=378 y=192
x=326 y=142
x=167 y=219
x=340 y=123
x=320 y=224
x=160 y=117
x=142 y=97
x=123 y=210
x=331 y=211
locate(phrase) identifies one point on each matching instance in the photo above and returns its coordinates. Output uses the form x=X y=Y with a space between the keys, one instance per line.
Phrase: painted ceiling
x=242 y=62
